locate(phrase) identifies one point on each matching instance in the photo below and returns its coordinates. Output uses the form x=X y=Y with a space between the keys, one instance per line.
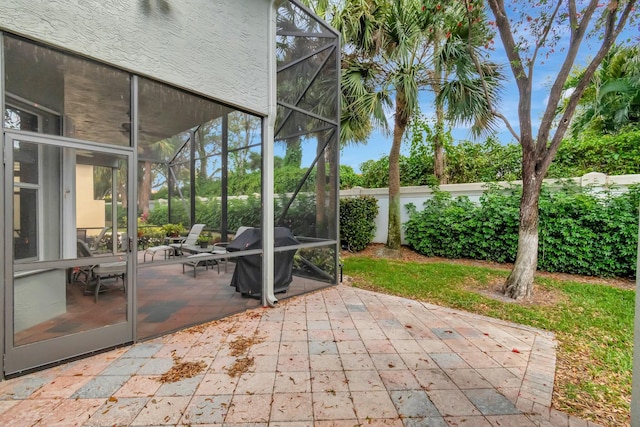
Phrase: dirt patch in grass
x=542 y=296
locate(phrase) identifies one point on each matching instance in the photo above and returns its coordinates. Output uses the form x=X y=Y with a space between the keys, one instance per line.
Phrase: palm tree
x=384 y=62
x=611 y=100
x=459 y=73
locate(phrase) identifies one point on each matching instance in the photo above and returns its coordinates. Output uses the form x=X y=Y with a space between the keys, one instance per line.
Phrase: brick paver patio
x=337 y=357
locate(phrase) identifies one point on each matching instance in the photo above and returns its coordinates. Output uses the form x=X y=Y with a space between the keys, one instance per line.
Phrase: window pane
x=25 y=223
x=93 y=99
x=25 y=162
x=15 y=118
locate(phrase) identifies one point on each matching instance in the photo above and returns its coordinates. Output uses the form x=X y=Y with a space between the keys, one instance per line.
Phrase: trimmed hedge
x=580 y=232
x=357 y=226
x=357 y=215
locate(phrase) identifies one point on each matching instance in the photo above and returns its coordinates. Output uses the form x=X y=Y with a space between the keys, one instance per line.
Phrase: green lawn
x=593 y=324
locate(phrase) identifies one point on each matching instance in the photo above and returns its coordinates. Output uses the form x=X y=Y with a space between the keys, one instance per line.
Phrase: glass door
x=68 y=264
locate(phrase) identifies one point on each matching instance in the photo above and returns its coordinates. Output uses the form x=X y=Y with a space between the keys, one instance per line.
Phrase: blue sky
x=379 y=143
x=544 y=73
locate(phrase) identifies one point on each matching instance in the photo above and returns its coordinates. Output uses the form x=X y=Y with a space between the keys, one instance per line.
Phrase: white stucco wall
x=419 y=195
x=217 y=48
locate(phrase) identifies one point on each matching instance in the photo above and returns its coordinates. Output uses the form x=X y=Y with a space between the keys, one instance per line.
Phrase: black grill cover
x=247 y=277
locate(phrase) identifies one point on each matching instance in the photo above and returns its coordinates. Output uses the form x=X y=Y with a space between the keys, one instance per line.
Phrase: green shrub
x=348 y=178
x=580 y=232
x=357 y=226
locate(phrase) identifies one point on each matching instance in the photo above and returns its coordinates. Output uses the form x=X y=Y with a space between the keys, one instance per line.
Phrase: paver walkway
x=338 y=357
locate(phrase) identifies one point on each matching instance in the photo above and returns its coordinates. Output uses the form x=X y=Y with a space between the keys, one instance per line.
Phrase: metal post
x=635 y=382
x=192 y=177
x=224 y=203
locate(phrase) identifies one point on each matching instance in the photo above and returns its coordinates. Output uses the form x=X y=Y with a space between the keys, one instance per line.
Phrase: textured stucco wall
x=217 y=48
x=420 y=194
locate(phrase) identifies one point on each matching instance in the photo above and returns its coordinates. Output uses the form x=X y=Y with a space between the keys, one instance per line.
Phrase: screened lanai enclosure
x=139 y=207
x=200 y=162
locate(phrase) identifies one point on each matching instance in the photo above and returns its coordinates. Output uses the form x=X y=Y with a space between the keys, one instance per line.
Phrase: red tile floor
x=167 y=300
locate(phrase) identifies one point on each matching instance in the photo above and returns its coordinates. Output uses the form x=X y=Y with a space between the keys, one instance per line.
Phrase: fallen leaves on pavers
x=181 y=370
x=240 y=366
x=239 y=347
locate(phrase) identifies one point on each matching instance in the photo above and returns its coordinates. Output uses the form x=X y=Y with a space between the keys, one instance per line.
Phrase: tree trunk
x=145 y=189
x=333 y=188
x=438 y=147
x=202 y=155
x=400 y=124
x=321 y=177
x=519 y=284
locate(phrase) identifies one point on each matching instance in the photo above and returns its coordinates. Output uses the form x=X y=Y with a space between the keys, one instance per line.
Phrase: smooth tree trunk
x=519 y=284
x=400 y=124
x=334 y=173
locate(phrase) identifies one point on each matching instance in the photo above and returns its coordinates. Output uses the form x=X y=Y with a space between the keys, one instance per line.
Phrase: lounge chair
x=99 y=271
x=168 y=252
x=204 y=258
x=175 y=248
x=95 y=243
x=190 y=241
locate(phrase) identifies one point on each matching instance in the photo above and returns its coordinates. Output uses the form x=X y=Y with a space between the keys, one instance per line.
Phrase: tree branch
x=577 y=34
x=522 y=80
x=543 y=39
x=485 y=89
x=612 y=31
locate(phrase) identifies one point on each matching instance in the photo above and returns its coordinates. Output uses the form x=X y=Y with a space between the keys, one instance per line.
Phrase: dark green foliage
x=583 y=233
x=357 y=226
x=246 y=213
x=160 y=213
x=348 y=178
x=580 y=232
x=610 y=154
x=465 y=162
x=316 y=263
x=414 y=170
x=121 y=221
x=375 y=173
x=488 y=161
x=458 y=228
x=287 y=178
x=301 y=215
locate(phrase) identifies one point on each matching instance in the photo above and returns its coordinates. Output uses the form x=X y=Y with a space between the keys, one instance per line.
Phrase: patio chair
x=221 y=247
x=205 y=258
x=190 y=241
x=168 y=252
x=99 y=271
x=95 y=244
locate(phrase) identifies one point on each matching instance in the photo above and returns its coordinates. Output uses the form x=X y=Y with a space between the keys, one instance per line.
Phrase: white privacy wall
x=217 y=48
x=419 y=195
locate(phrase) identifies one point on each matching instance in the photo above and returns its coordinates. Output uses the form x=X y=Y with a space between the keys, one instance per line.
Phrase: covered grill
x=247 y=276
